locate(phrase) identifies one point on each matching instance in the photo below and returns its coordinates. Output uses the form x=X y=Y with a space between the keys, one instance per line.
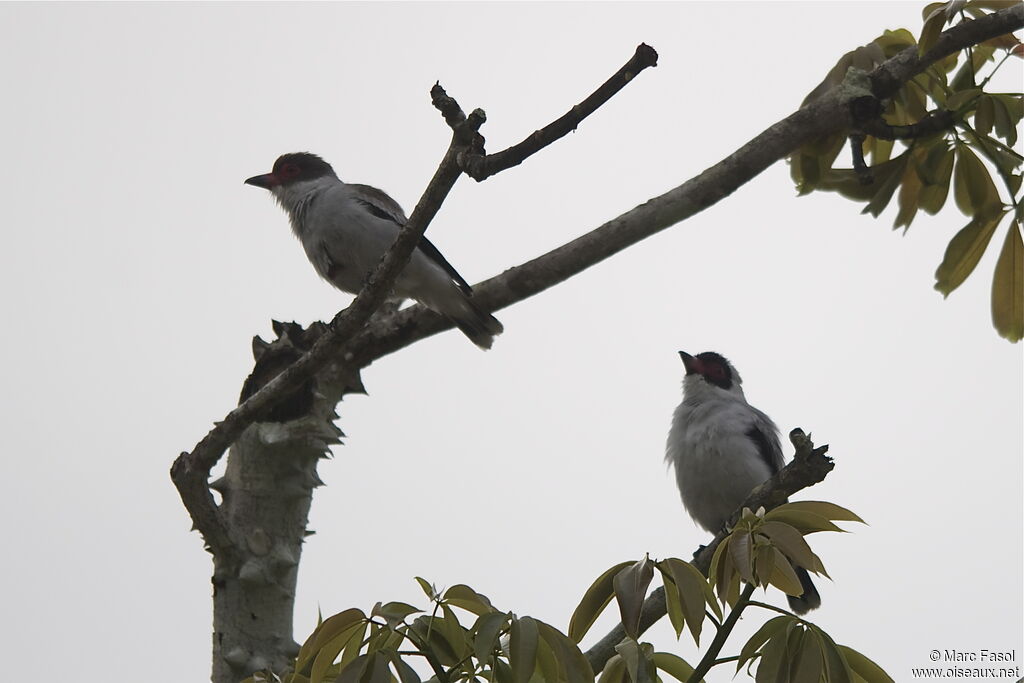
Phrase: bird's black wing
x=767 y=444
x=434 y=255
x=382 y=206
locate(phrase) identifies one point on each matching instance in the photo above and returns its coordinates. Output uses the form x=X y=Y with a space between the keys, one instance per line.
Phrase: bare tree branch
x=481 y=167
x=809 y=466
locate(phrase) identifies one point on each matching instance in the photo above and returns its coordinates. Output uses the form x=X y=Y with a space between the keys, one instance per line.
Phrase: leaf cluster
x=487 y=646
x=789 y=649
x=921 y=172
x=761 y=550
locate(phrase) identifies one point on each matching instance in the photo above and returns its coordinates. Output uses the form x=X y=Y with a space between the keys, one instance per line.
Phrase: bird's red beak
x=266 y=181
x=691 y=363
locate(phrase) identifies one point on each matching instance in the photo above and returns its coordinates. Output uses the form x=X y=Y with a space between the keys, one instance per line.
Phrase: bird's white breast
x=716 y=462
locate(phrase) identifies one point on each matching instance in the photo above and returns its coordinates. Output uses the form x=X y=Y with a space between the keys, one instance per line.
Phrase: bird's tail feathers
x=480 y=326
x=802 y=604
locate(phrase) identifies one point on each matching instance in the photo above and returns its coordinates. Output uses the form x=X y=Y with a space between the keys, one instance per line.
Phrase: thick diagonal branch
x=825 y=115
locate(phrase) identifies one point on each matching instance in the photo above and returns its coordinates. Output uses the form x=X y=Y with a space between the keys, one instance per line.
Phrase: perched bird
x=346 y=229
x=722 y=447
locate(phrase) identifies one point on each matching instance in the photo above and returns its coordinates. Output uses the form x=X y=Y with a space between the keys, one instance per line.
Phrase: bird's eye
x=290 y=170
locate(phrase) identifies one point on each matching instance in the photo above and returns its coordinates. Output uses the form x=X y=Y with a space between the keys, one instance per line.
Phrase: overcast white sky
x=136 y=267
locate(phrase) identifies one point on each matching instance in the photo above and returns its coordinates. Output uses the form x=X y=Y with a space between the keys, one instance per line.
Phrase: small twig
x=773 y=608
x=481 y=167
x=860 y=167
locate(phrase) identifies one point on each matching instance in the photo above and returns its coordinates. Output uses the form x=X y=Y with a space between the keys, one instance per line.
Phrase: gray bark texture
x=266 y=492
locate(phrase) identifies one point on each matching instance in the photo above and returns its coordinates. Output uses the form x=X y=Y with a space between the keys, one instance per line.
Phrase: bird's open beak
x=266 y=181
x=692 y=364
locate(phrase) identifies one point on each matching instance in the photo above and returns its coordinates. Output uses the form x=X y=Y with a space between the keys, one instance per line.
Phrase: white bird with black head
x=722 y=447
x=346 y=228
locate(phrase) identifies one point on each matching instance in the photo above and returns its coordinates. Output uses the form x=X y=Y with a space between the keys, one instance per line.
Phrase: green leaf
x=547 y=662
x=829 y=511
x=462 y=596
x=984 y=115
x=909 y=199
x=740 y=547
x=523 y=649
x=767 y=631
x=629 y=650
x=394 y=613
x=973 y=188
x=864 y=667
x=353 y=644
x=487 y=630
x=783 y=575
x=324 y=633
x=848 y=184
x=502 y=671
x=792 y=543
x=428 y=588
x=964 y=251
x=406 y=674
x=962 y=98
x=885 y=186
x=936 y=172
x=880 y=150
x=809 y=662
x=378 y=671
x=428 y=631
x=933 y=25
x=453 y=632
x=837 y=670
x=354 y=671
x=1008 y=287
x=674 y=665
x=773 y=667
x=593 y=603
x=631 y=586
x=572 y=661
x=673 y=602
x=810 y=162
x=804 y=521
x=1006 y=115
x=324 y=657
x=614 y=670
x=694 y=592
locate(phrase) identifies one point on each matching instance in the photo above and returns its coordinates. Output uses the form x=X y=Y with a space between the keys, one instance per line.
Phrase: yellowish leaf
x=1008 y=287
x=964 y=251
